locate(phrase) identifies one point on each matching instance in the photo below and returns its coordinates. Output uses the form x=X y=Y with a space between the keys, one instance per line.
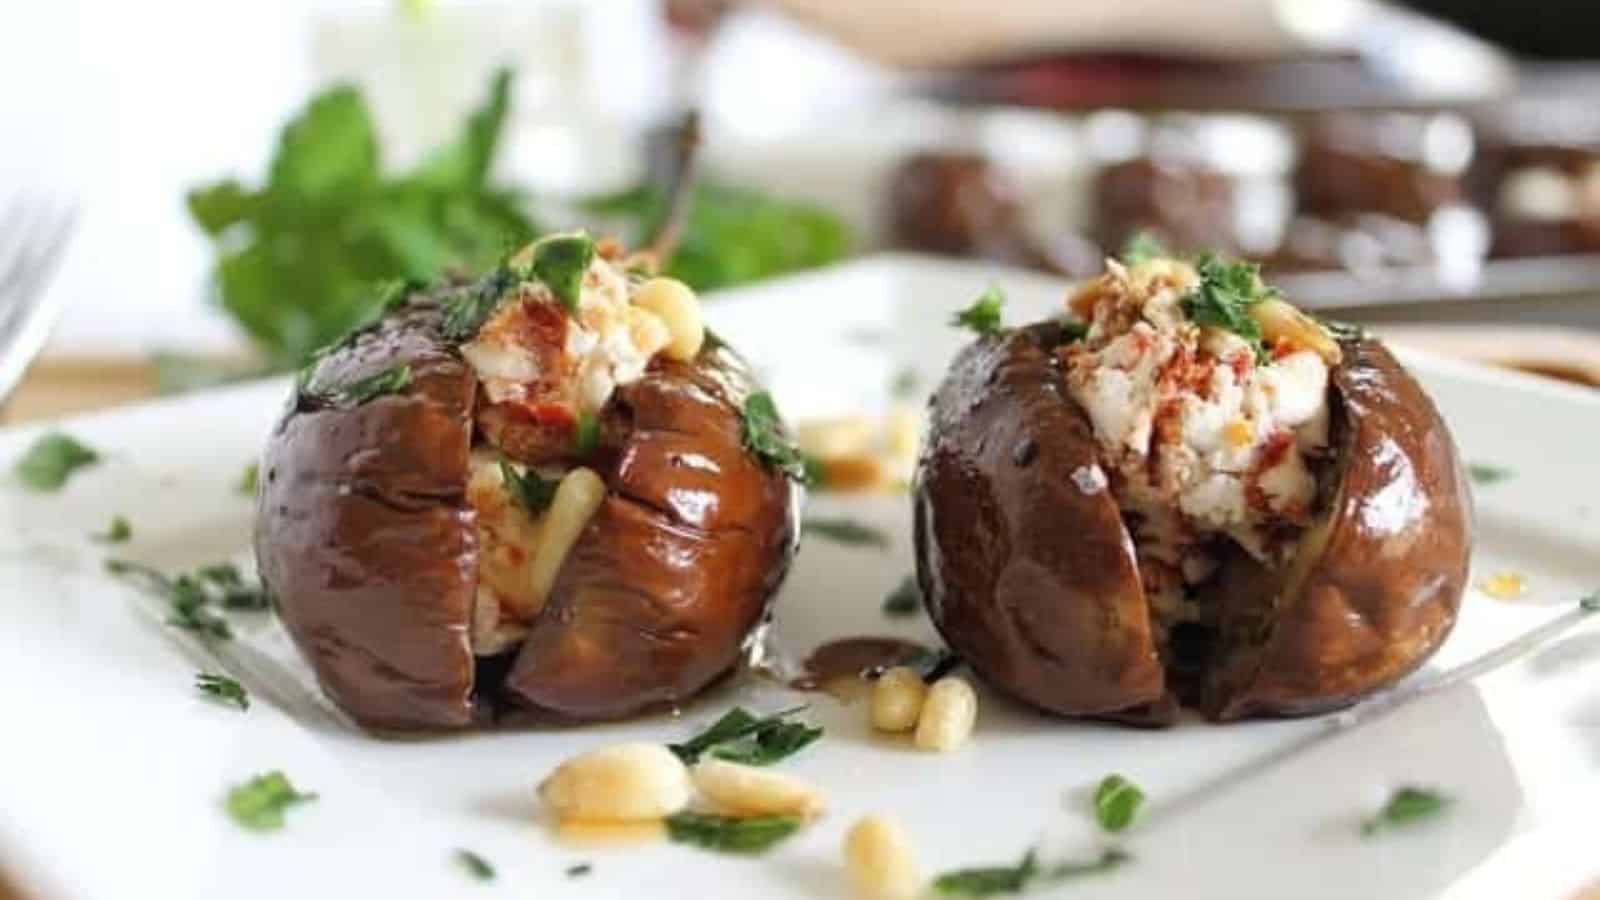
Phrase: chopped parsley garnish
x=191 y=596
x=587 y=437
x=1141 y=247
x=904 y=384
x=51 y=460
x=987 y=881
x=222 y=688
x=904 y=600
x=394 y=293
x=530 y=489
x=259 y=804
x=756 y=834
x=476 y=866
x=377 y=384
x=761 y=429
x=847 y=531
x=118 y=532
x=1116 y=801
x=559 y=262
x=1486 y=474
x=472 y=305
x=1406 y=806
x=1224 y=296
x=579 y=870
x=983 y=316
x=249 y=480
x=741 y=736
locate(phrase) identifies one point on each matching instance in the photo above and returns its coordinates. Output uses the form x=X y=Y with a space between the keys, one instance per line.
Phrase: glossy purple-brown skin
x=366 y=541
x=1034 y=581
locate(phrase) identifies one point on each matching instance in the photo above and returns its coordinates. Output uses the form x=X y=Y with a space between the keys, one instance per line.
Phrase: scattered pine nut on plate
x=897 y=699
x=947 y=715
x=622 y=783
x=741 y=790
x=880 y=861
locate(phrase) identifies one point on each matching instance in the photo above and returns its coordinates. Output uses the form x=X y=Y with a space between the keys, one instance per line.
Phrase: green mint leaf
x=1116 y=802
x=771 y=742
x=988 y=881
x=191 y=596
x=221 y=206
x=329 y=149
x=118 y=532
x=761 y=430
x=1141 y=247
x=983 y=316
x=1485 y=474
x=1406 y=806
x=362 y=390
x=847 y=531
x=249 y=480
x=531 y=490
x=475 y=865
x=191 y=611
x=904 y=600
x=757 y=740
x=51 y=459
x=222 y=688
x=463 y=164
x=259 y=804
x=579 y=870
x=586 y=438
x=731 y=835
x=559 y=262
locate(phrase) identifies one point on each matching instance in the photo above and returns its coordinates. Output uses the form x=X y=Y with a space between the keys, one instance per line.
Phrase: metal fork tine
x=27 y=312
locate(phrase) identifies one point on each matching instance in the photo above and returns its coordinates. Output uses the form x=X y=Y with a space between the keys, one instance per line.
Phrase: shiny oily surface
x=116 y=760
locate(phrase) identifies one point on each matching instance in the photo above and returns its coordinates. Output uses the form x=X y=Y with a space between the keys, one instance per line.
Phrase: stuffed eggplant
x=549 y=491
x=1189 y=494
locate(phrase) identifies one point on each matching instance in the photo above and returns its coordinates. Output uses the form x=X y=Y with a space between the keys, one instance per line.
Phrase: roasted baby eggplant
x=534 y=493
x=1192 y=495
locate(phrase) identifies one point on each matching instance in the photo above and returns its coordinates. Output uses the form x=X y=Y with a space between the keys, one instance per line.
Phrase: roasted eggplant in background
x=1189 y=494
x=549 y=490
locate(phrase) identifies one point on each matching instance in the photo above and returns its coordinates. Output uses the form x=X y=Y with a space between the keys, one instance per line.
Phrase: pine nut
x=577 y=499
x=624 y=783
x=948 y=714
x=740 y=790
x=897 y=699
x=1280 y=321
x=880 y=860
x=678 y=307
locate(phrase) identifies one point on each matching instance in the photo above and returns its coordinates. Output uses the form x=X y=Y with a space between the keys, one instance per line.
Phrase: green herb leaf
x=586 y=438
x=579 y=870
x=988 y=881
x=1590 y=602
x=847 y=531
x=1073 y=330
x=259 y=804
x=559 y=262
x=731 y=835
x=471 y=305
x=51 y=459
x=1407 y=806
x=904 y=600
x=119 y=531
x=529 y=488
x=733 y=235
x=1224 y=296
x=249 y=480
x=761 y=429
x=476 y=866
x=222 y=688
x=388 y=381
x=1485 y=474
x=1141 y=247
x=904 y=384
x=741 y=736
x=771 y=742
x=983 y=316
x=1116 y=801
x=191 y=596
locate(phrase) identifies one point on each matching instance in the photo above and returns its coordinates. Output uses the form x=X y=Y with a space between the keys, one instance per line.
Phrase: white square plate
x=112 y=768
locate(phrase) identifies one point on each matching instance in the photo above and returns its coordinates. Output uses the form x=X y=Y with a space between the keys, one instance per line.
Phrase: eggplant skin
x=367 y=543
x=1035 y=582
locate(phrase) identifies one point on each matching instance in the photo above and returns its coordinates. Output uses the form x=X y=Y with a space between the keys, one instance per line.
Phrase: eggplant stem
x=679 y=186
